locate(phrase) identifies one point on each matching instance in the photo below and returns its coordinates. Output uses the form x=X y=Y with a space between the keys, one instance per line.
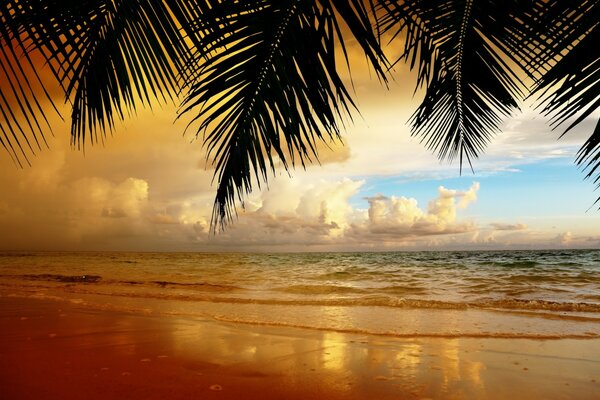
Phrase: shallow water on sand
x=547 y=294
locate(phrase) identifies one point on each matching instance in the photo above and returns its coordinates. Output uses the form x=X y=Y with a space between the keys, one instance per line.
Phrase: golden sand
x=58 y=350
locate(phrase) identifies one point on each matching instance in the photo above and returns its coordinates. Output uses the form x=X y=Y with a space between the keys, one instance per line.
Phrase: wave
x=533 y=278
x=86 y=279
x=366 y=301
x=338 y=275
x=397 y=295
x=511 y=264
x=570 y=264
x=319 y=289
x=17 y=254
x=403 y=289
x=196 y=285
x=441 y=335
x=59 y=278
x=403 y=331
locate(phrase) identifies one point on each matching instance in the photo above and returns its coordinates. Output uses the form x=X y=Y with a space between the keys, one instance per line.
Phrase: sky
x=148 y=188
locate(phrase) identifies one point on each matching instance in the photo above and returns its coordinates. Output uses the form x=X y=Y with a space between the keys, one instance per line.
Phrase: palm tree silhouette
x=260 y=79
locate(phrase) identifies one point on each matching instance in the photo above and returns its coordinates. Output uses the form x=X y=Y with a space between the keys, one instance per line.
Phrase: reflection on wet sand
x=56 y=350
x=363 y=366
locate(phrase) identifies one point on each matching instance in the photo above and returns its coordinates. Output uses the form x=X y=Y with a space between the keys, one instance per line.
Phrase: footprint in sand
x=216 y=388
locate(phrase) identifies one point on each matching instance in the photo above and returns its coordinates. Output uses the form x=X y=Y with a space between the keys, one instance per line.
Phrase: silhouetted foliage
x=260 y=79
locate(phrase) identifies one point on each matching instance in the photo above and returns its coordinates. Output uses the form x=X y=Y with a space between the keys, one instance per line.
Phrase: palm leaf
x=468 y=55
x=23 y=121
x=589 y=157
x=107 y=54
x=267 y=87
x=570 y=89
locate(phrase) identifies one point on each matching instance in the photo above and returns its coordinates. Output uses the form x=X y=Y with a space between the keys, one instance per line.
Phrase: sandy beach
x=59 y=350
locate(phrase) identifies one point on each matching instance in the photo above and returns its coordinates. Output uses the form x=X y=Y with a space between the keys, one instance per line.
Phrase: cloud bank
x=56 y=208
x=148 y=188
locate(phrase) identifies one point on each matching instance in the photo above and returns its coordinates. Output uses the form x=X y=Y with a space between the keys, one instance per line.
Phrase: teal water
x=370 y=292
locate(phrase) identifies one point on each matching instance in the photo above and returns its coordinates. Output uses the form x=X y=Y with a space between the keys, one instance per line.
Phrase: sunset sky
x=149 y=188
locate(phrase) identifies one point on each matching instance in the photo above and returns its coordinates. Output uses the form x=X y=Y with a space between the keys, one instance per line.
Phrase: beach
x=57 y=349
x=300 y=326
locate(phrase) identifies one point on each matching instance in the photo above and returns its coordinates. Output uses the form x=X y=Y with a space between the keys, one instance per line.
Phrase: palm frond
x=23 y=121
x=556 y=27
x=267 y=86
x=572 y=86
x=570 y=89
x=589 y=157
x=403 y=21
x=469 y=56
x=107 y=54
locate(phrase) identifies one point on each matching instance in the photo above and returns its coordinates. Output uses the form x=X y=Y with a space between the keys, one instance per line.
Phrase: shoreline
x=56 y=349
x=340 y=317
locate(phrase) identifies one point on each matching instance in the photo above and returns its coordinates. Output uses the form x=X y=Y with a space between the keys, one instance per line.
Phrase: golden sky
x=148 y=187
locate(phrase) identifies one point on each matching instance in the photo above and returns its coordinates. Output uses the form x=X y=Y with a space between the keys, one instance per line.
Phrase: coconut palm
x=260 y=80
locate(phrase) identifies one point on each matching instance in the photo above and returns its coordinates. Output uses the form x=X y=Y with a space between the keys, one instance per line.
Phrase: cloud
x=65 y=216
x=564 y=238
x=113 y=213
x=61 y=208
x=164 y=219
x=399 y=218
x=103 y=209
x=125 y=199
x=293 y=215
x=499 y=226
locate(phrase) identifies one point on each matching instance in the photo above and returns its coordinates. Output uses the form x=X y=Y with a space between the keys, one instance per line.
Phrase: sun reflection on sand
x=99 y=348
x=342 y=362
x=409 y=357
x=335 y=351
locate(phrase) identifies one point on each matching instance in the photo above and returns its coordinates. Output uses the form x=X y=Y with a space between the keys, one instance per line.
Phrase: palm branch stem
x=459 y=81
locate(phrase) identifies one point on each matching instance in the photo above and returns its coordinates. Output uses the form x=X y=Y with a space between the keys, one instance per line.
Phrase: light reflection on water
x=559 y=276
x=453 y=294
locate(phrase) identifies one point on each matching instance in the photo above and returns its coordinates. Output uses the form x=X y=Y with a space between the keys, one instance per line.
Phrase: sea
x=549 y=294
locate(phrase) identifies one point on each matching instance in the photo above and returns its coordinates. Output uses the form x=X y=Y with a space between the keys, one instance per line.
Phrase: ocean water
x=529 y=294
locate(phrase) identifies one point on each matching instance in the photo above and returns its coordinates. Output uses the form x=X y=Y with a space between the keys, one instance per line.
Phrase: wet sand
x=60 y=350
